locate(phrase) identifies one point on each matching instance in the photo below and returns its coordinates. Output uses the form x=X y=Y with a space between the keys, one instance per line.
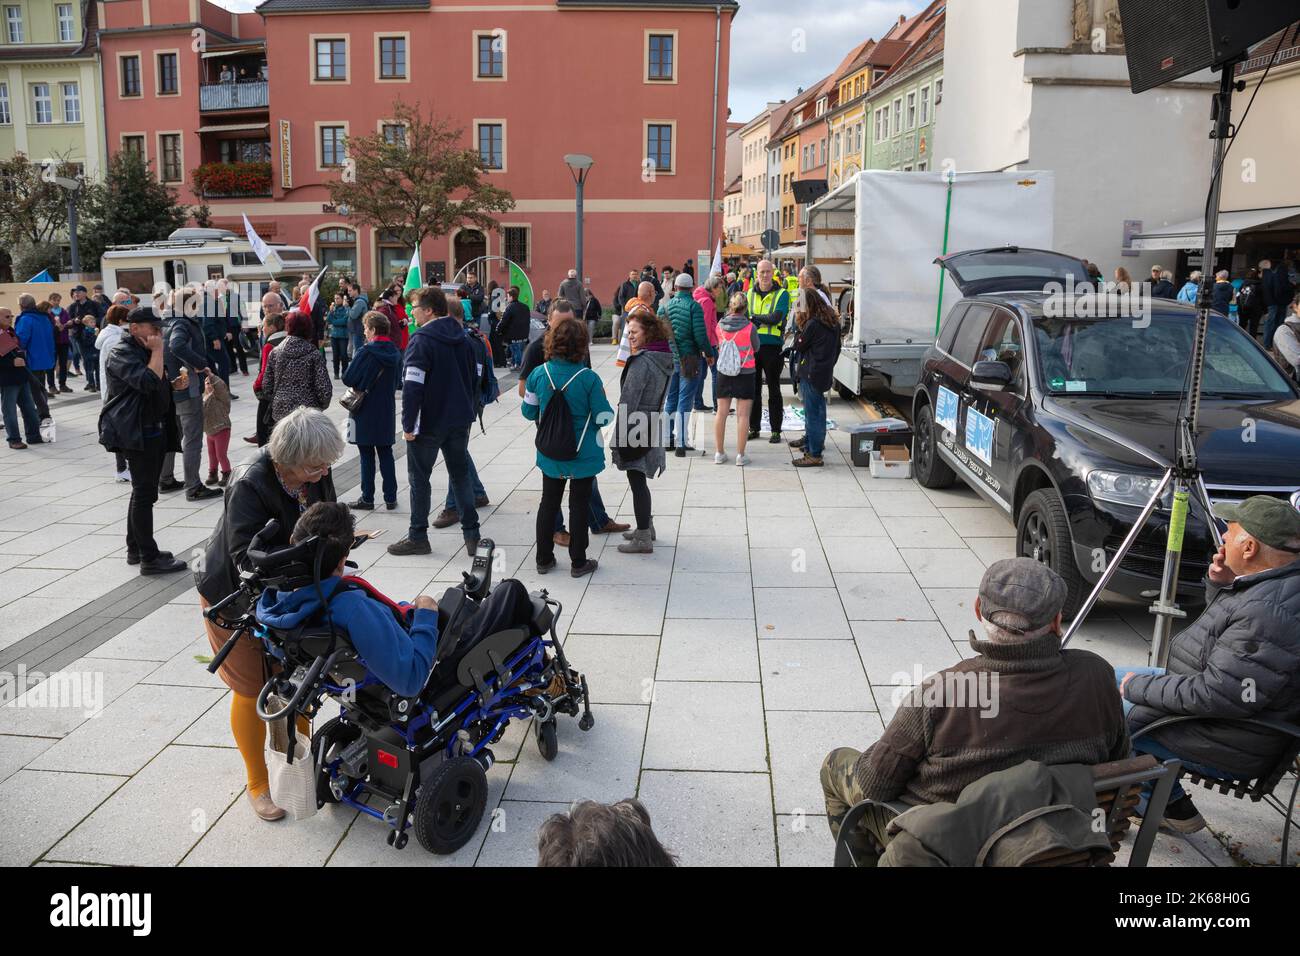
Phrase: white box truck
x=876 y=238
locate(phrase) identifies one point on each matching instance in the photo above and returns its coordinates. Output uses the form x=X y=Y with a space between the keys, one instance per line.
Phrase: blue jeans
x=1276 y=316
x=814 y=418
x=710 y=372
x=387 y=468
x=517 y=352
x=679 y=401
x=421 y=456
x=597 y=516
x=450 y=504
x=1148 y=745
x=12 y=399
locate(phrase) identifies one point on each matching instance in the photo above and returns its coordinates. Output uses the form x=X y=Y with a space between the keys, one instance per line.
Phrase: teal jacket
x=588 y=406
x=338 y=322
x=690 y=334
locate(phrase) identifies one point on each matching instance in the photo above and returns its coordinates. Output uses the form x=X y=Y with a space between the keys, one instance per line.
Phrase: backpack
x=488 y=387
x=729 y=360
x=555 y=437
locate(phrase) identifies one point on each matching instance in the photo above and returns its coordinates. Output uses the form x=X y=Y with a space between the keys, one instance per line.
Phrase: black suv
x=1066 y=423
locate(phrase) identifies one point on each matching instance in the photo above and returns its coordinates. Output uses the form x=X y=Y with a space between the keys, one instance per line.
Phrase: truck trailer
x=875 y=239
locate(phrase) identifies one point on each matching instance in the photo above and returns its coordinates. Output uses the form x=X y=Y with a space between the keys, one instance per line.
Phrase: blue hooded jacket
x=401 y=660
x=374 y=370
x=440 y=383
x=36 y=333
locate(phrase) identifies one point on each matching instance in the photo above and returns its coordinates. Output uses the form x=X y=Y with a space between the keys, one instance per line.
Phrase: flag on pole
x=264 y=254
x=413 y=280
x=520 y=279
x=308 y=300
x=716 y=268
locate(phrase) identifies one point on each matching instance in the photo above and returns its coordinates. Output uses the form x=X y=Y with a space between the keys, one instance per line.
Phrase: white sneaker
x=720 y=458
x=124 y=476
x=742 y=461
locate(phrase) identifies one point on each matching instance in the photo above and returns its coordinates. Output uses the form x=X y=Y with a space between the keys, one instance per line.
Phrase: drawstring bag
x=555 y=438
x=293 y=785
x=47 y=431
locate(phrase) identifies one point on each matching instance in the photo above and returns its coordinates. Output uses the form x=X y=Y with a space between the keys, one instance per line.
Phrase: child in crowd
x=338 y=323
x=599 y=834
x=85 y=333
x=216 y=425
x=401 y=659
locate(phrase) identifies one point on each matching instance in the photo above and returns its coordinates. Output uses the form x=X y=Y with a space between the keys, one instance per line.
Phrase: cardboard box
x=893 y=461
x=863 y=443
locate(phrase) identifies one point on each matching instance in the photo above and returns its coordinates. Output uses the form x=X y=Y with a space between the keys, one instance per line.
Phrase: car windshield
x=1113 y=357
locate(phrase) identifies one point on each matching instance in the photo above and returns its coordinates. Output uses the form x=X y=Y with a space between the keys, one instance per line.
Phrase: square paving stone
x=712 y=553
x=706 y=726
x=620 y=668
x=727 y=596
x=157 y=816
x=980 y=522
x=790 y=567
x=903 y=652
x=712 y=819
x=800 y=742
x=903 y=504
x=158 y=637
x=863 y=556
x=601 y=764
x=848 y=523
x=944 y=567
x=512 y=838
x=813 y=676
x=130 y=731
x=37 y=809
x=56 y=709
x=805 y=840
x=707 y=650
x=619 y=609
x=802 y=613
x=883 y=597
x=910 y=532
x=17 y=752
x=239 y=838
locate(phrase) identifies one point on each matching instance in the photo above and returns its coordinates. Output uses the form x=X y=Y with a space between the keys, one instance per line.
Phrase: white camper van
x=876 y=238
x=196 y=255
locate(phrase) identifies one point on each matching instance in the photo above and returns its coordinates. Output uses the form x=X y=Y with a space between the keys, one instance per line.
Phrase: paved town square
x=777 y=619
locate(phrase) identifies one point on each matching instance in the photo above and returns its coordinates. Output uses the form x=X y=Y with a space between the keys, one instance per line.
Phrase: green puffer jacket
x=690 y=334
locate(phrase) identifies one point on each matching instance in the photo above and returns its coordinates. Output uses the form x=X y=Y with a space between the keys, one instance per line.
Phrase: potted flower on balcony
x=232 y=180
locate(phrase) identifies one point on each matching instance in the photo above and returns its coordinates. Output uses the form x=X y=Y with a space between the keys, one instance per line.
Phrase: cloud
x=765 y=62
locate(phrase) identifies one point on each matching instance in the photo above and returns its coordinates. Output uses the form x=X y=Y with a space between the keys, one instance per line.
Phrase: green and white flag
x=413 y=282
x=518 y=278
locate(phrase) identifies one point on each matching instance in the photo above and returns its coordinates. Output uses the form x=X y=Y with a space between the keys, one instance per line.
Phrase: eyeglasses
x=317 y=471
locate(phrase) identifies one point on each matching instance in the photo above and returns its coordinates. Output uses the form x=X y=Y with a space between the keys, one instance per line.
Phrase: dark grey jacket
x=1240 y=658
x=185 y=347
x=644 y=382
x=1003 y=819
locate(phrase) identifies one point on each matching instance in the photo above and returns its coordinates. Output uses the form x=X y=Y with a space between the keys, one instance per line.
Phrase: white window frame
x=6 y=109
x=938 y=90
x=911 y=110
x=898 y=115
x=73 y=115
x=69 y=21
x=37 y=100
x=925 y=109
x=14 y=24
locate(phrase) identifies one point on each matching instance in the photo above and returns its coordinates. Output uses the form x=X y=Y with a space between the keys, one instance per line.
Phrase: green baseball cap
x=1270 y=520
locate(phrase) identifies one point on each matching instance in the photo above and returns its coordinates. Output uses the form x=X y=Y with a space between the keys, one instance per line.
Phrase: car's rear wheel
x=930 y=470
x=1043 y=533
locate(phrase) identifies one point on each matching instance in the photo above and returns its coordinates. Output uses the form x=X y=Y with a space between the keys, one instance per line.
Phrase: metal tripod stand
x=1183 y=473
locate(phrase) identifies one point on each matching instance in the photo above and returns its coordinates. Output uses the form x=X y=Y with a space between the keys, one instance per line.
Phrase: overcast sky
x=765 y=63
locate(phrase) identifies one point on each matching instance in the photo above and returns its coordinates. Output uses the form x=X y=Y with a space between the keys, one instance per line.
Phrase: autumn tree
x=419 y=184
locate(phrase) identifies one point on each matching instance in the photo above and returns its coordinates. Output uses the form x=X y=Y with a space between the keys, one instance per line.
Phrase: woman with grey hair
x=287 y=477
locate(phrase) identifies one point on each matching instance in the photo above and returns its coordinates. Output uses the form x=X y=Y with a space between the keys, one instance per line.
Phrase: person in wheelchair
x=401 y=657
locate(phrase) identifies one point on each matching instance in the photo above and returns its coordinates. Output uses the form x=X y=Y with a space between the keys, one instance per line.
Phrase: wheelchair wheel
x=548 y=744
x=450 y=805
x=333 y=736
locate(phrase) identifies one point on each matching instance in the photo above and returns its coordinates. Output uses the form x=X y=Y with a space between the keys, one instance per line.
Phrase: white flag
x=716 y=268
x=259 y=246
x=308 y=301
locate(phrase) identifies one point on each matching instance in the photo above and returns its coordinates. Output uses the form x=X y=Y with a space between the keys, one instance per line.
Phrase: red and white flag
x=308 y=301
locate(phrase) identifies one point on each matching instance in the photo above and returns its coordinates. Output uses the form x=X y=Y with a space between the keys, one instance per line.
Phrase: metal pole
x=713 y=160
x=581 y=180
x=1186 y=471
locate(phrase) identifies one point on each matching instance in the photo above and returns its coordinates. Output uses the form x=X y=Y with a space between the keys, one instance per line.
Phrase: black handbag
x=352 y=400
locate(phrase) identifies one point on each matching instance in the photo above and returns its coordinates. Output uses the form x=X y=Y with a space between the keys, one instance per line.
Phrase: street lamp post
x=580 y=166
x=72 y=187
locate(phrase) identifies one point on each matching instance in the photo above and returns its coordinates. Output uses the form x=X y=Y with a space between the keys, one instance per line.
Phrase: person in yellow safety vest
x=769 y=304
x=792 y=284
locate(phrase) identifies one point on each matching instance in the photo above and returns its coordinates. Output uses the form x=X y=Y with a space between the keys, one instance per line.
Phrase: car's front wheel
x=1043 y=533
x=931 y=470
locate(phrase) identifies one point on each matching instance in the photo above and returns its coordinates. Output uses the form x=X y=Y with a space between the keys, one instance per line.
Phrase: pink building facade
x=641 y=87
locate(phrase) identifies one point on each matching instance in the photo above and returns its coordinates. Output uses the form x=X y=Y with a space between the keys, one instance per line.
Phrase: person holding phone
x=137 y=421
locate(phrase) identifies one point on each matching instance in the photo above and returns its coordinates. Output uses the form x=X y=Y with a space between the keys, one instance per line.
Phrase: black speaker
x=809 y=190
x=1167 y=39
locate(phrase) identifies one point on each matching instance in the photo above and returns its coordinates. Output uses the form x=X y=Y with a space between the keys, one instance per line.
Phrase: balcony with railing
x=234 y=95
x=239 y=180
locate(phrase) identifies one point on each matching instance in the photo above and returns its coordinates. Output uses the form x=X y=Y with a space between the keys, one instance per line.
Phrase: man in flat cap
x=1021 y=698
x=137 y=421
x=1240 y=658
